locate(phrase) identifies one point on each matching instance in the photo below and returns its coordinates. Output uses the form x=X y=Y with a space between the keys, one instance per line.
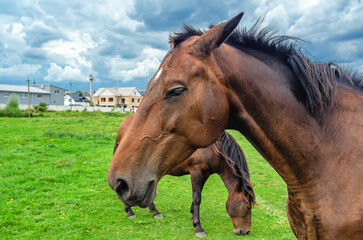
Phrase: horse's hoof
x=132 y=216
x=200 y=234
x=159 y=216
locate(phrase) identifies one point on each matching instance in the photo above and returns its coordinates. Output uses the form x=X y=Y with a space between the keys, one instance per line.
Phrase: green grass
x=53 y=185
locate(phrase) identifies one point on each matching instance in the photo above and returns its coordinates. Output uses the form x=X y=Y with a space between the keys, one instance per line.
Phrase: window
x=132 y=100
x=123 y=100
x=23 y=95
x=110 y=99
x=40 y=96
x=103 y=99
x=6 y=94
x=138 y=100
x=56 y=92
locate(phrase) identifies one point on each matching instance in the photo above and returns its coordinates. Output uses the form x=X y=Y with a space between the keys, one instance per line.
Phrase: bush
x=26 y=114
x=42 y=104
x=42 y=107
x=13 y=101
x=12 y=108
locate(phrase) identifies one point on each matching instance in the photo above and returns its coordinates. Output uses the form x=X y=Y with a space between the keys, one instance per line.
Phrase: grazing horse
x=224 y=157
x=304 y=117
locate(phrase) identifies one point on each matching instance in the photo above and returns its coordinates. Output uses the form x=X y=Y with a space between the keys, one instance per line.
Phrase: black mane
x=317 y=79
x=230 y=150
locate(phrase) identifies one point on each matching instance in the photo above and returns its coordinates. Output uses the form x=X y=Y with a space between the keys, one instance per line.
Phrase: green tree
x=12 y=107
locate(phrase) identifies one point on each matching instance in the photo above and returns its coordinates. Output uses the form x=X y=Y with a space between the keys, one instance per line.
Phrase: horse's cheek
x=216 y=111
x=213 y=111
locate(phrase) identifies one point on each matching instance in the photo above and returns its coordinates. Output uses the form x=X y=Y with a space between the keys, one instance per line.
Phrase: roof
x=23 y=89
x=39 y=85
x=79 y=97
x=98 y=92
x=121 y=91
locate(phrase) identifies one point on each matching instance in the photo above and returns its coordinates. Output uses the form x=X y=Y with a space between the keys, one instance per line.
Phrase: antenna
x=90 y=90
x=71 y=96
x=28 y=95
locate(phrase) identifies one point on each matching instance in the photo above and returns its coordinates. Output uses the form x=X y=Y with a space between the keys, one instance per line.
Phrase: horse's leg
x=156 y=213
x=192 y=208
x=130 y=213
x=198 y=180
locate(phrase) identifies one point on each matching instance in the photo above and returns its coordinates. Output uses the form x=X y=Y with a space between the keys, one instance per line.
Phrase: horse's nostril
x=247 y=232
x=122 y=188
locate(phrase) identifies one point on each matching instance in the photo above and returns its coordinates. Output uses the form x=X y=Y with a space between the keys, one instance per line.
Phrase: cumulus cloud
x=278 y=18
x=76 y=44
x=150 y=52
x=71 y=54
x=125 y=41
x=67 y=74
x=38 y=33
x=20 y=70
x=143 y=69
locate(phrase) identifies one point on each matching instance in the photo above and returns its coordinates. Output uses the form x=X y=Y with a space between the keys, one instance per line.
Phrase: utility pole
x=71 y=96
x=28 y=96
x=90 y=90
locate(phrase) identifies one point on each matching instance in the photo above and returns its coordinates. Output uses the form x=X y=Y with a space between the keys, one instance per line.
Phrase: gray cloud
x=163 y=15
x=121 y=42
x=9 y=7
x=39 y=33
x=36 y=55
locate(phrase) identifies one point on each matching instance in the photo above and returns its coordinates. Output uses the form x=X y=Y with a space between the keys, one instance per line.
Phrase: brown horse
x=224 y=157
x=304 y=117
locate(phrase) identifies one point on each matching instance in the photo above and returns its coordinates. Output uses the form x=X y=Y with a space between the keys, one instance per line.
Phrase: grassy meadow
x=53 y=185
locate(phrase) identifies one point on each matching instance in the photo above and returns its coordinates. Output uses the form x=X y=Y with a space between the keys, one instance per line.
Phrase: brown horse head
x=235 y=175
x=184 y=108
x=239 y=210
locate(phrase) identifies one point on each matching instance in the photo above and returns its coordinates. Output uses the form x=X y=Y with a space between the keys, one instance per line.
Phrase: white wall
x=68 y=99
x=74 y=108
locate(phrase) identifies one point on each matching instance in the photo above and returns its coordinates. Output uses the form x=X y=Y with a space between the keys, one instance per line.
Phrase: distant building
x=76 y=99
x=127 y=97
x=45 y=93
x=37 y=95
x=87 y=95
x=56 y=93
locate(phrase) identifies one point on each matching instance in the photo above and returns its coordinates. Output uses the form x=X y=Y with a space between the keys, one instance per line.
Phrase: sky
x=121 y=43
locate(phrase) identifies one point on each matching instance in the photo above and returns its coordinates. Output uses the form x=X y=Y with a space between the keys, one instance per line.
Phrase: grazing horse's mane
x=229 y=149
x=317 y=79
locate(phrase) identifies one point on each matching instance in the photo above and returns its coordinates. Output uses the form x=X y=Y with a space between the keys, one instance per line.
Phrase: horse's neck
x=232 y=182
x=265 y=110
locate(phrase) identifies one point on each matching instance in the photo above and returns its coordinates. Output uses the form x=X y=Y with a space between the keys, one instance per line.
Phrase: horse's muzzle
x=141 y=194
x=241 y=231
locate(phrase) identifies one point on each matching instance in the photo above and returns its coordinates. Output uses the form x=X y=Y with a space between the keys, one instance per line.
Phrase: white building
x=76 y=100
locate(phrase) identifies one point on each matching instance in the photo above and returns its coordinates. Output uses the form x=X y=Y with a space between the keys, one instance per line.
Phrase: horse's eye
x=249 y=208
x=174 y=92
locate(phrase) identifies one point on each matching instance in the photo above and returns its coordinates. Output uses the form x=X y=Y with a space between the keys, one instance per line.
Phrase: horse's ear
x=171 y=44
x=213 y=38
